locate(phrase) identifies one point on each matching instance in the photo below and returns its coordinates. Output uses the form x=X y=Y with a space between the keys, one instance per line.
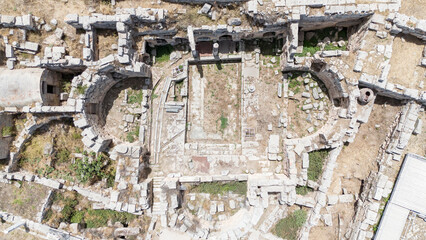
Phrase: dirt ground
x=105 y=39
x=413 y=8
x=221 y=100
x=114 y=108
x=407 y=49
x=18 y=234
x=263 y=106
x=25 y=201
x=374 y=61
x=48 y=152
x=356 y=161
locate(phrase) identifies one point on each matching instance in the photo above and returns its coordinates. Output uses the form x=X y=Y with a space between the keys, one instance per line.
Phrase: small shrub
x=69 y=209
x=111 y=178
x=288 y=228
x=66 y=87
x=77 y=217
x=130 y=138
x=89 y=171
x=223 y=122
x=7 y=131
x=63 y=155
x=81 y=89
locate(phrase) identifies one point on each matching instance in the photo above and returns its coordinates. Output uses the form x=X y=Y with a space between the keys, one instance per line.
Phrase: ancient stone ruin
x=201 y=119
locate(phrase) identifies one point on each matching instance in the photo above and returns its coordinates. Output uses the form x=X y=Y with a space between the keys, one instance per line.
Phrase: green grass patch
x=66 y=87
x=303 y=190
x=221 y=188
x=163 y=53
x=308 y=49
x=316 y=161
x=135 y=97
x=310 y=46
x=288 y=228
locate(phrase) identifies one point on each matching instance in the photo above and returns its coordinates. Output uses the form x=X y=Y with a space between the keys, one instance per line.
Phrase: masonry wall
x=206 y=1
x=5 y=142
x=53 y=79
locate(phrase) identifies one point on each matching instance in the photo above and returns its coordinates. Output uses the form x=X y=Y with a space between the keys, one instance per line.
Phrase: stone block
x=31 y=46
x=327 y=219
x=346 y=198
x=7 y=21
x=307 y=107
x=332 y=199
x=71 y=18
x=126 y=232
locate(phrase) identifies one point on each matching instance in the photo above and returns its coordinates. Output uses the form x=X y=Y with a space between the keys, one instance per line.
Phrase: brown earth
x=25 y=201
x=406 y=55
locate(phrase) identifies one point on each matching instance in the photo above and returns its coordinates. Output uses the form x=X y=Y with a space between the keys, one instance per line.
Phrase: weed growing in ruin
x=81 y=89
x=66 y=87
x=89 y=171
x=223 y=123
x=7 y=131
x=133 y=135
x=303 y=190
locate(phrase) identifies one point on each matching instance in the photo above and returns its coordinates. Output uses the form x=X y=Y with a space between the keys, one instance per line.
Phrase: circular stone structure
x=365 y=95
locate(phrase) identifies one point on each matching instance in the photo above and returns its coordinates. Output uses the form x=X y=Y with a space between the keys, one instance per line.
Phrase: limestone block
x=332 y=199
x=346 y=198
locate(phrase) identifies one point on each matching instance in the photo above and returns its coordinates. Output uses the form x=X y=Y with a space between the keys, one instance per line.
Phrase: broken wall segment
x=127 y=15
x=25 y=22
x=327 y=73
x=207 y=1
x=408 y=25
x=99 y=79
x=392 y=90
